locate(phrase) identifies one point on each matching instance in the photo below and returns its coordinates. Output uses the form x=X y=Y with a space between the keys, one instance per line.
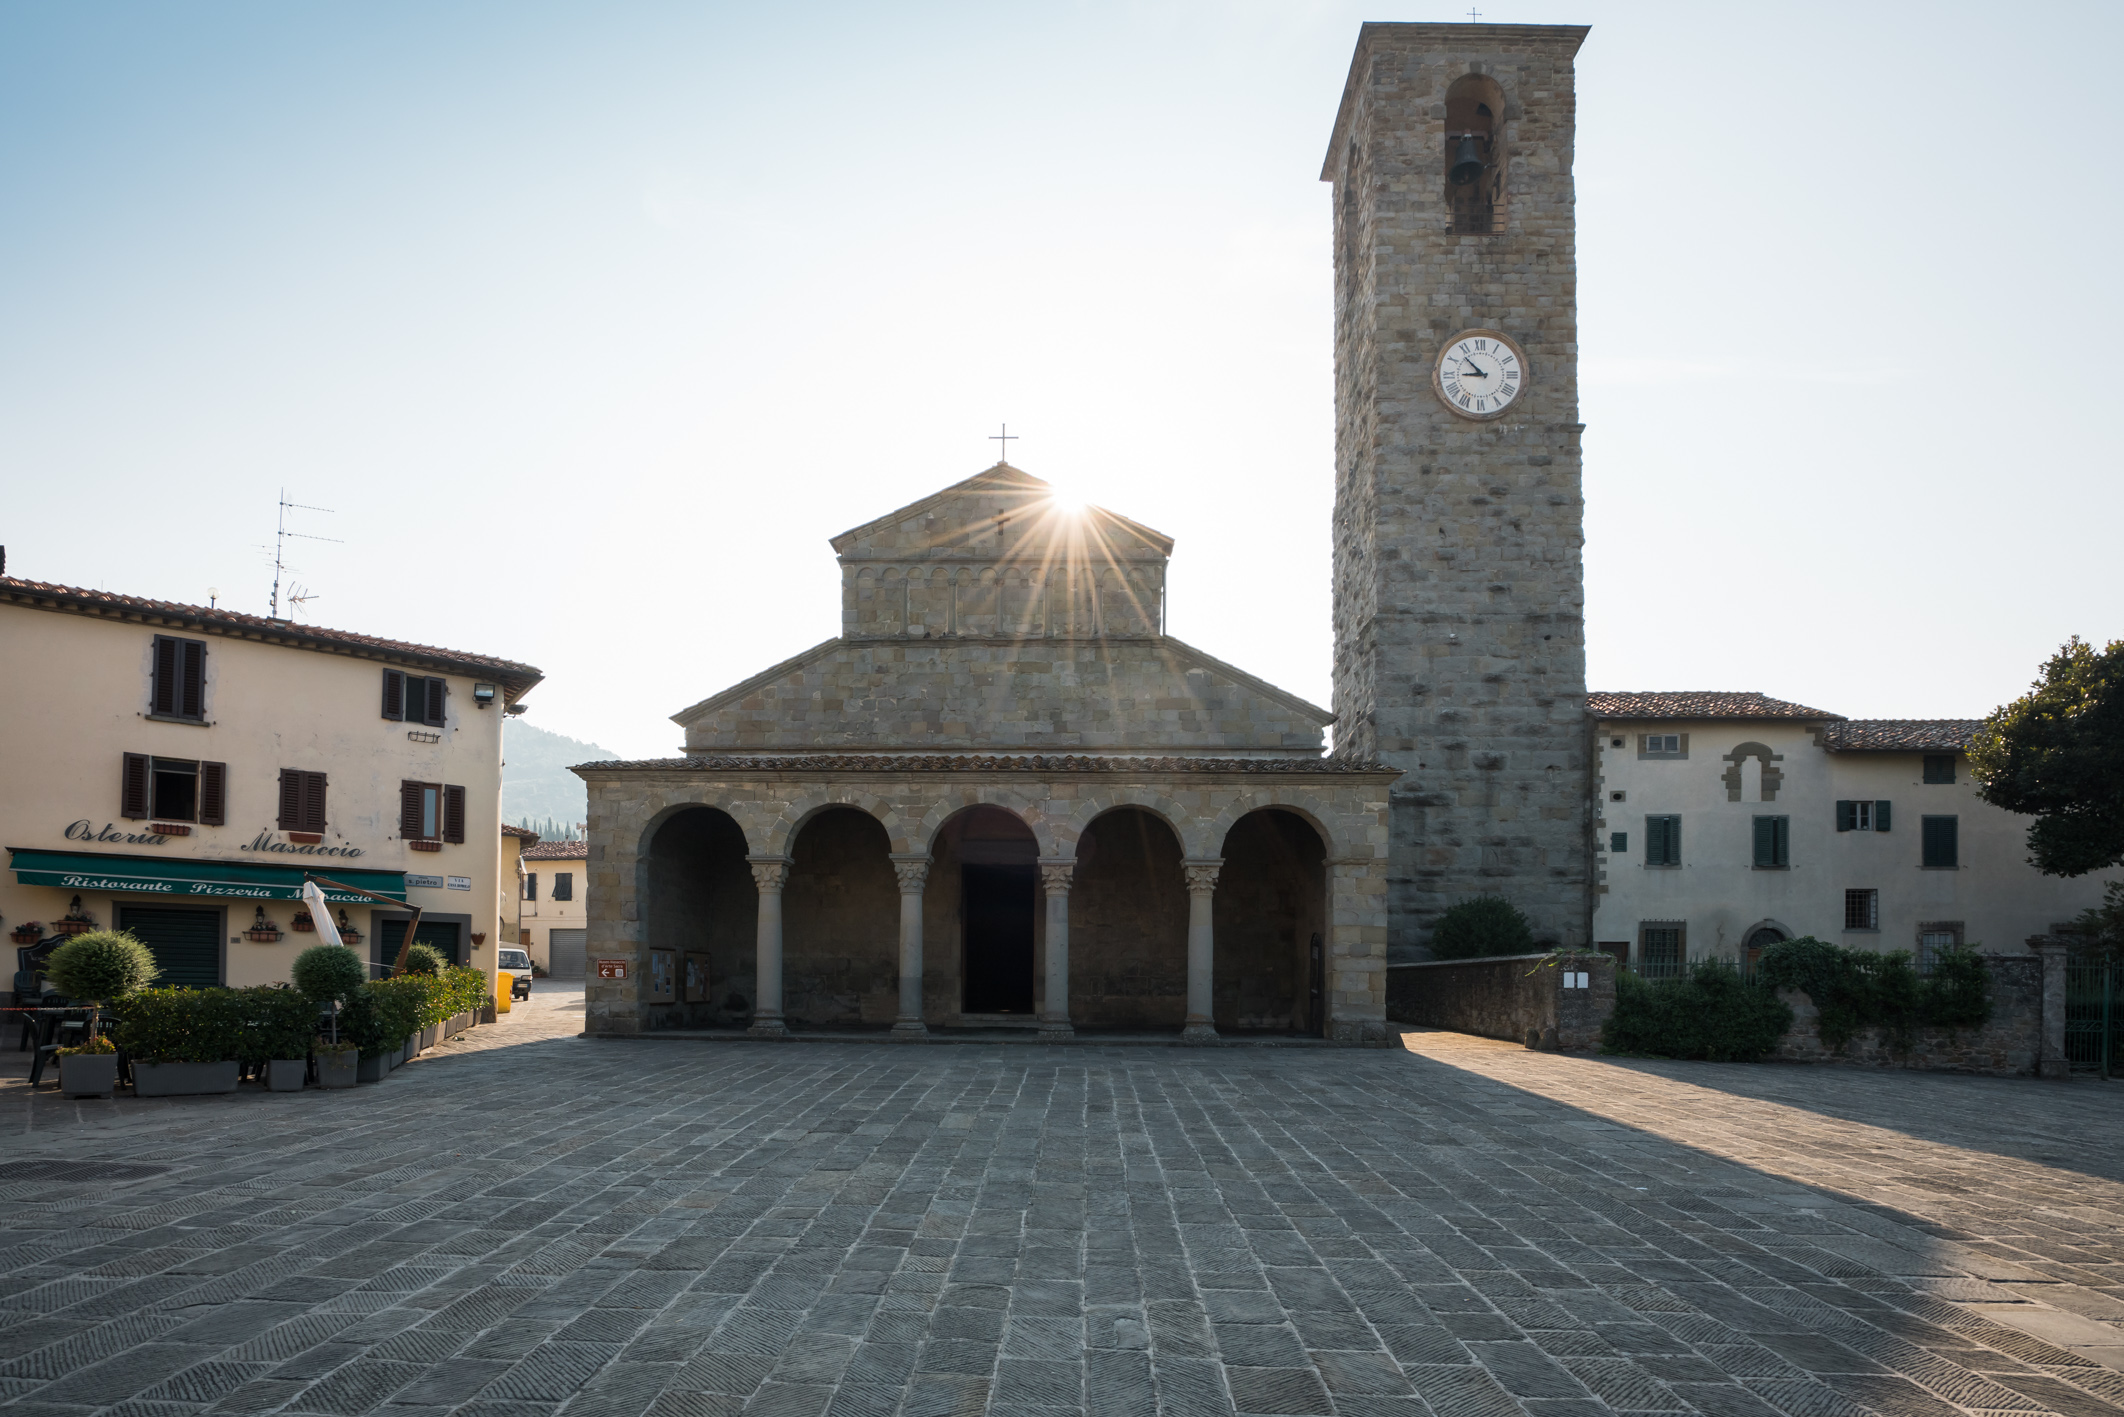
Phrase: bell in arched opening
x=1475 y=154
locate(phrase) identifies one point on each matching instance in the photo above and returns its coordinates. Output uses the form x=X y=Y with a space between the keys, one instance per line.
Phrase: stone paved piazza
x=529 y=1223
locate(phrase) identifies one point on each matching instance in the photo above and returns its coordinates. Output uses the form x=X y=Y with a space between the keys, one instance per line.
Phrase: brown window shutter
x=163 y=699
x=313 y=801
x=409 y=810
x=290 y=800
x=213 y=794
x=192 y=683
x=133 y=787
x=453 y=814
x=394 y=694
x=437 y=688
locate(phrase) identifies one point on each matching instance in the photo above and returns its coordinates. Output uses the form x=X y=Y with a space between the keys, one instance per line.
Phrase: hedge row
x=260 y=1024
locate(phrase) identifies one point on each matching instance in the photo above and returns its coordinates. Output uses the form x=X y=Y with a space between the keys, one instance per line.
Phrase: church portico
x=923 y=893
x=1077 y=825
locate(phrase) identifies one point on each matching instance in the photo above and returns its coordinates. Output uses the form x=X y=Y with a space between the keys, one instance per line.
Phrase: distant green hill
x=536 y=783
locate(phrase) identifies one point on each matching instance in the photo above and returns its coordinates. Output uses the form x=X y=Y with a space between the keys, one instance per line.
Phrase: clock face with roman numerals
x=1480 y=374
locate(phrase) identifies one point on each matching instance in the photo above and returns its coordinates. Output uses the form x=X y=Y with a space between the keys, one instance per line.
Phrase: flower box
x=425 y=845
x=169 y=829
x=286 y=1074
x=306 y=838
x=183 y=1079
x=267 y=936
x=25 y=935
x=72 y=927
x=350 y=936
x=88 y=1074
x=337 y=1068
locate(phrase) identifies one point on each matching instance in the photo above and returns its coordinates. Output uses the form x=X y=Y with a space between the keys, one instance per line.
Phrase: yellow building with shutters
x=175 y=770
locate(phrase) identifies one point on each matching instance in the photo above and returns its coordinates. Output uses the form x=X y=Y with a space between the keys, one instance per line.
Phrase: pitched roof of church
x=1008 y=481
x=1901 y=735
x=742 y=763
x=1700 y=703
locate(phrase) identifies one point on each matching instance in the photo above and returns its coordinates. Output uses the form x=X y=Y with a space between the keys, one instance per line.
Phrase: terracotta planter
x=337 y=1069
x=286 y=1074
x=183 y=1079
x=88 y=1074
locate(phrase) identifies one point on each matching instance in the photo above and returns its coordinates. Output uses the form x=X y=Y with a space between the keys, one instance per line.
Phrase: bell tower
x=1459 y=515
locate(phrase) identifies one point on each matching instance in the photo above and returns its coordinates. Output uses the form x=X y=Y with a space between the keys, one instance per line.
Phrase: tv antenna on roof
x=296 y=594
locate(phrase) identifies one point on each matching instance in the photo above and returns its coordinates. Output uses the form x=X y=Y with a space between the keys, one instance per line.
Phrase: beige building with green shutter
x=175 y=770
x=1724 y=822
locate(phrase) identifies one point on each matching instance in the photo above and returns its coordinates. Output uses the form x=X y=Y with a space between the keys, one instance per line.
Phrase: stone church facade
x=1003 y=795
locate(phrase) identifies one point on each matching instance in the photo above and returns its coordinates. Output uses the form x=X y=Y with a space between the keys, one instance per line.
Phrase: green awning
x=183 y=876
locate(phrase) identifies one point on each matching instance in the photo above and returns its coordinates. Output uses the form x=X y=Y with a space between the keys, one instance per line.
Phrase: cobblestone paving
x=534 y=1223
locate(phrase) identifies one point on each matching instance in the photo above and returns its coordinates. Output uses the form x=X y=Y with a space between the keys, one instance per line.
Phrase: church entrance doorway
x=1000 y=906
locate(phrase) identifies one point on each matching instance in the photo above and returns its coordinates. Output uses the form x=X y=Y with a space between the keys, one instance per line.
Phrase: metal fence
x=2094 y=1014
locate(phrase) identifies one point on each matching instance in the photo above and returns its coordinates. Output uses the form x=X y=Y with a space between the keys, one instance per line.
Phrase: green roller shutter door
x=443 y=934
x=186 y=943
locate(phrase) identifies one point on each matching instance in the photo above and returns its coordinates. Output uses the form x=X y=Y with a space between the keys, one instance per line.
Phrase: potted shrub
x=279 y=1024
x=102 y=967
x=90 y=1070
x=183 y=1041
x=327 y=975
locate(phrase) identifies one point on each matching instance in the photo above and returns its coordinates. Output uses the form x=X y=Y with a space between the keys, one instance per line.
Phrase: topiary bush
x=1482 y=926
x=101 y=966
x=425 y=959
x=328 y=972
x=1709 y=1013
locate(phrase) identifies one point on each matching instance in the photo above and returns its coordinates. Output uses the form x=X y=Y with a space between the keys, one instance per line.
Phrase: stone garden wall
x=1531 y=999
x=2010 y=1045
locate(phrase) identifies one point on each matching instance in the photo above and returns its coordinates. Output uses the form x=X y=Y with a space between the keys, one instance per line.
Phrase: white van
x=517 y=963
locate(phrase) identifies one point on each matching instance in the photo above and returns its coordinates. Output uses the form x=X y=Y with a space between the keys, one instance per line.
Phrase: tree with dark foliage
x=2057 y=754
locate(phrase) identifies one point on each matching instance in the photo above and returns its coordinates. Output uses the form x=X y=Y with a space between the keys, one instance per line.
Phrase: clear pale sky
x=594 y=322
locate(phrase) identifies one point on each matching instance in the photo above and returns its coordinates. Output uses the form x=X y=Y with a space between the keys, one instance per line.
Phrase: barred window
x=1862 y=910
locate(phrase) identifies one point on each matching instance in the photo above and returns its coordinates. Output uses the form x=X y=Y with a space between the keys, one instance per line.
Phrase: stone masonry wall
x=1523 y=998
x=2010 y=1045
x=1459 y=596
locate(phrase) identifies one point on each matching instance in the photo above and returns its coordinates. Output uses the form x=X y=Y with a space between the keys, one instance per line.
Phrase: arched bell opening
x=1128 y=924
x=1271 y=927
x=840 y=923
x=701 y=911
x=981 y=918
x=1475 y=155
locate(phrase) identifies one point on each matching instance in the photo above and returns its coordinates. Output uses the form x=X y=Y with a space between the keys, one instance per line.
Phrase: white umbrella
x=321 y=913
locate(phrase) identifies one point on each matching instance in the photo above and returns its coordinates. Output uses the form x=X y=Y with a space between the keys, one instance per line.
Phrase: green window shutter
x=1880 y=816
x=1784 y=840
x=1766 y=841
x=1846 y=816
x=1941 y=841
x=1674 y=841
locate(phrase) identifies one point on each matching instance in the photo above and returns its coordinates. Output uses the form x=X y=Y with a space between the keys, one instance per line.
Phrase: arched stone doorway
x=840 y=922
x=699 y=902
x=1271 y=924
x=1128 y=924
x=981 y=919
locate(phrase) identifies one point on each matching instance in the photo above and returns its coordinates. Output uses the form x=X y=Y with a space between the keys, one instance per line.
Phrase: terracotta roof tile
x=1700 y=703
x=940 y=762
x=517 y=678
x=559 y=851
x=525 y=833
x=1901 y=735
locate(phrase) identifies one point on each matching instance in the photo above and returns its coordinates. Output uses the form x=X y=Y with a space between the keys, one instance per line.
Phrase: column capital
x=1056 y=873
x=769 y=872
x=1201 y=872
x=912 y=868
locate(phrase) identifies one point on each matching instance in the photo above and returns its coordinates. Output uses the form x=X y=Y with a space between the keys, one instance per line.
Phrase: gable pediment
x=1001 y=515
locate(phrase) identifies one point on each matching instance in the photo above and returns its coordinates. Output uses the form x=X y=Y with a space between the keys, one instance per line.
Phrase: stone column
x=1201 y=948
x=1055 y=876
x=2051 y=1061
x=913 y=870
x=769 y=873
